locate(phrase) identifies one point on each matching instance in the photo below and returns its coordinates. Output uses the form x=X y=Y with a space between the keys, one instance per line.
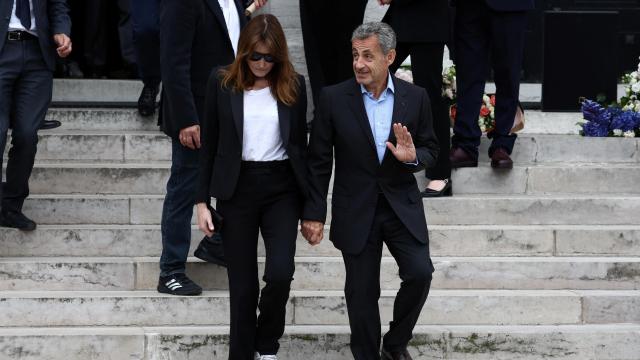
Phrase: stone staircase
x=539 y=262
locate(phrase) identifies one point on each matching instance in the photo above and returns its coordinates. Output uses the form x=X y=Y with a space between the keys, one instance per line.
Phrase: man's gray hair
x=384 y=32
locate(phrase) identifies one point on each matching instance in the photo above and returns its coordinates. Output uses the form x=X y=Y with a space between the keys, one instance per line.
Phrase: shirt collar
x=390 y=87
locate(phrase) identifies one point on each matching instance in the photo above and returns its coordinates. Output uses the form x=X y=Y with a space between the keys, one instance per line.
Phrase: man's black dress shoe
x=210 y=250
x=16 y=220
x=500 y=159
x=446 y=190
x=147 y=100
x=50 y=124
x=460 y=158
x=395 y=355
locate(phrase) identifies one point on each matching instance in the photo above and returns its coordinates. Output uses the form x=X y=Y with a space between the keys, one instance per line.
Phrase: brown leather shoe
x=460 y=158
x=501 y=160
x=395 y=355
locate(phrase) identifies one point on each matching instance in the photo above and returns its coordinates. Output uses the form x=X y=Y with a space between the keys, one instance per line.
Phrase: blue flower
x=592 y=128
x=592 y=111
x=625 y=120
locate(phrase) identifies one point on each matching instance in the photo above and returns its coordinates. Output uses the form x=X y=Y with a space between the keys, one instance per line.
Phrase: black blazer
x=193 y=40
x=52 y=17
x=419 y=20
x=341 y=125
x=221 y=138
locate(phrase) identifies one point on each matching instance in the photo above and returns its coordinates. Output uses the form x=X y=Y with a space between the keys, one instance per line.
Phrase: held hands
x=64 y=45
x=190 y=137
x=313 y=231
x=404 y=150
x=205 y=224
x=384 y=2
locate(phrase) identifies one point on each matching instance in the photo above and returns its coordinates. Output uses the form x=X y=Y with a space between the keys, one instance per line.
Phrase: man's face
x=370 y=64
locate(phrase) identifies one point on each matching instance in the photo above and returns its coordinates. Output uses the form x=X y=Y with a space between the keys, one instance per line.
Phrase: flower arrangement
x=486 y=119
x=621 y=119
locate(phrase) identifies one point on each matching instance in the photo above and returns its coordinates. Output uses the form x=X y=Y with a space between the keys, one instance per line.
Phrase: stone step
x=326 y=342
x=445 y=240
x=570 y=209
x=125 y=119
x=327 y=273
x=447 y=307
x=142 y=146
x=151 y=179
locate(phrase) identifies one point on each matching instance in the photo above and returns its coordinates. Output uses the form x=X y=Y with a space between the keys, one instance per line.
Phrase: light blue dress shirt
x=380 y=114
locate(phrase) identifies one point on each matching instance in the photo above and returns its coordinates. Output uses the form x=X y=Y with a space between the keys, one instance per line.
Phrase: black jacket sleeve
x=319 y=161
x=59 y=19
x=425 y=140
x=178 y=20
x=209 y=132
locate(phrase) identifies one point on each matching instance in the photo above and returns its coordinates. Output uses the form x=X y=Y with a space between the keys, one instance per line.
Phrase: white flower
x=636 y=87
x=637 y=106
x=629 y=134
x=493 y=113
x=617 y=132
x=486 y=99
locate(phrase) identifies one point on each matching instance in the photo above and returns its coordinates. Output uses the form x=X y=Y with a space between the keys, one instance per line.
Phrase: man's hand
x=384 y=2
x=260 y=3
x=404 y=150
x=313 y=231
x=190 y=137
x=205 y=224
x=64 y=44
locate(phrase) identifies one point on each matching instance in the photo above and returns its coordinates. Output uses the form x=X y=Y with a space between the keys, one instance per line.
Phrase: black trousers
x=362 y=292
x=426 y=66
x=326 y=30
x=266 y=199
x=478 y=32
x=25 y=94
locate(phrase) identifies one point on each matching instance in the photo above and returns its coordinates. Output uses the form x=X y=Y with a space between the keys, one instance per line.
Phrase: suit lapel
x=237 y=110
x=214 y=6
x=357 y=107
x=284 y=117
x=399 y=111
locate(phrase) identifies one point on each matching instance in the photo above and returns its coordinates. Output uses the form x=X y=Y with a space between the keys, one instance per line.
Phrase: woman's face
x=260 y=61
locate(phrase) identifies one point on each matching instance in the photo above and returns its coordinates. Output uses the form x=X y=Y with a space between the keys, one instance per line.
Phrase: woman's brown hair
x=283 y=80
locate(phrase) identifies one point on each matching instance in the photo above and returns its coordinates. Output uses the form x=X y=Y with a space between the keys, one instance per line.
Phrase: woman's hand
x=204 y=219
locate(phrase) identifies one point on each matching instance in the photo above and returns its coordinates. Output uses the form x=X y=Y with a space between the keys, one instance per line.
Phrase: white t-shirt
x=15 y=24
x=261 y=140
x=232 y=21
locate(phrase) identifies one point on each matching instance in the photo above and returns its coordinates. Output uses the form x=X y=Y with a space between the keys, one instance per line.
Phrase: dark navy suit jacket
x=52 y=17
x=507 y=5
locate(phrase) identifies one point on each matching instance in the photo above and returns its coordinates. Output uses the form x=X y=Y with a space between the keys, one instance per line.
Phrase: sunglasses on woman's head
x=256 y=56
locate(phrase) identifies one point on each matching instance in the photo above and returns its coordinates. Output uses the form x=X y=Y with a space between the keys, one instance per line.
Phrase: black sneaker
x=210 y=250
x=178 y=284
x=16 y=220
x=147 y=100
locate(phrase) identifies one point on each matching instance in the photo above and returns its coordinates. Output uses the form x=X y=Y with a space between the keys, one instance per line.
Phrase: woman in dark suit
x=253 y=162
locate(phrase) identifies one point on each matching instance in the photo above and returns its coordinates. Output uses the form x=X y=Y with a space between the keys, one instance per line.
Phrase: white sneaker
x=257 y=356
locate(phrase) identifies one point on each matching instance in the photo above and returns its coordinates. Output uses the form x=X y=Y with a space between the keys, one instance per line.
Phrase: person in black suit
x=326 y=29
x=381 y=130
x=483 y=27
x=254 y=140
x=32 y=32
x=195 y=37
x=422 y=28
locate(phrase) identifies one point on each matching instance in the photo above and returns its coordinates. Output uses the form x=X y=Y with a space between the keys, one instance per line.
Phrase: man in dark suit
x=32 y=32
x=326 y=29
x=484 y=26
x=195 y=37
x=422 y=28
x=380 y=128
